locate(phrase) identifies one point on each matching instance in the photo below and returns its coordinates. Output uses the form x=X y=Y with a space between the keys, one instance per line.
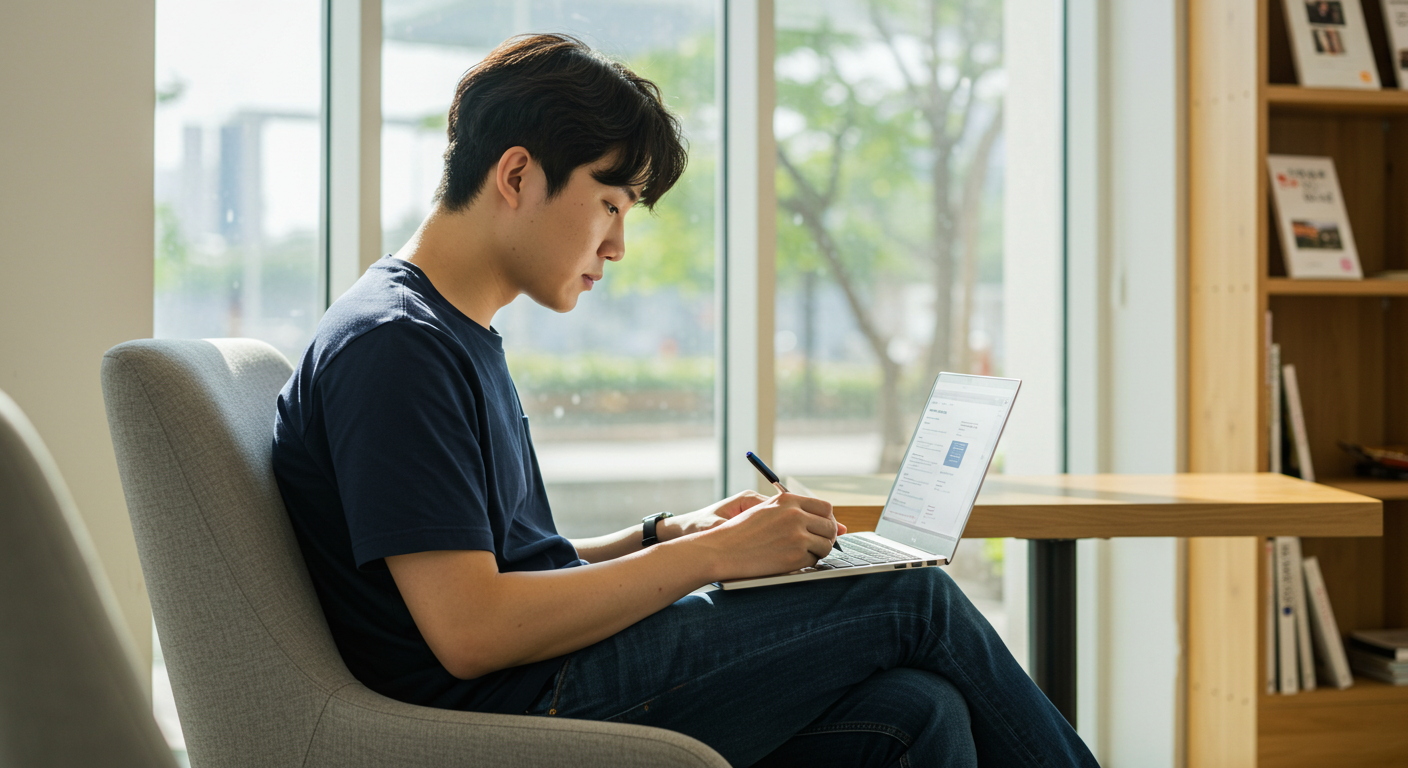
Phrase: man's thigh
x=745 y=670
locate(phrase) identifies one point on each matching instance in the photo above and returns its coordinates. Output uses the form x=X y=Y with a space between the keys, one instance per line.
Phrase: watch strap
x=649 y=535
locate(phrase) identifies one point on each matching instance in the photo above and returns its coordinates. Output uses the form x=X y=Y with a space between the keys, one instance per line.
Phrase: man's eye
x=613 y=209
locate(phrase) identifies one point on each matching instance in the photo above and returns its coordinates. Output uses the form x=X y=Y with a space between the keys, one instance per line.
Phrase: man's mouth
x=590 y=280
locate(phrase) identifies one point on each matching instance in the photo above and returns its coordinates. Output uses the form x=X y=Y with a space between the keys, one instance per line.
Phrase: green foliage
x=994 y=553
x=575 y=374
x=674 y=244
x=855 y=151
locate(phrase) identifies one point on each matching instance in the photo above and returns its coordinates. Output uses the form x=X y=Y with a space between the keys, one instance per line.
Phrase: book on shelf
x=1287 y=657
x=1329 y=646
x=1378 y=667
x=1276 y=439
x=1389 y=643
x=1305 y=652
x=1297 y=417
x=1330 y=44
x=1269 y=617
x=1316 y=239
x=1303 y=645
x=1396 y=24
x=1380 y=653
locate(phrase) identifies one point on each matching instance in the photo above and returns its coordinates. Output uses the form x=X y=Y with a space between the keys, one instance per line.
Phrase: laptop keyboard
x=861 y=552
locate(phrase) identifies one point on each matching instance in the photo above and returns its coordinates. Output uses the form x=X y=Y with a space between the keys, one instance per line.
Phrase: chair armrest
x=361 y=729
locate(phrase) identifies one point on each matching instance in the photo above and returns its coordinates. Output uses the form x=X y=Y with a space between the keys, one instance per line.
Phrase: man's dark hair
x=568 y=106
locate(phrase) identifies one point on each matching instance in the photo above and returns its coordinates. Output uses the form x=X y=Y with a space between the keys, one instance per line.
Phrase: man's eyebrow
x=631 y=193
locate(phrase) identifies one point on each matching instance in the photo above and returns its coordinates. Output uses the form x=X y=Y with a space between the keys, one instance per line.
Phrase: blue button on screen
x=955 y=454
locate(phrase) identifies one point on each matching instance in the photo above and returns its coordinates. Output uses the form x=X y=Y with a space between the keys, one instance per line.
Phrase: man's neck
x=456 y=251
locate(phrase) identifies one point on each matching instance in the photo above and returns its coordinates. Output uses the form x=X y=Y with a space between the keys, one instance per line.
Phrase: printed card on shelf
x=1314 y=226
x=1330 y=43
x=1396 y=22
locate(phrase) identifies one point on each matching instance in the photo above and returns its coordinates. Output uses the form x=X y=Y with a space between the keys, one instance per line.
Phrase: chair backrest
x=68 y=687
x=251 y=661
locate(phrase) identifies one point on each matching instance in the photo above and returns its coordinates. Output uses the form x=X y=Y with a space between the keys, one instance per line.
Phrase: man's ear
x=510 y=173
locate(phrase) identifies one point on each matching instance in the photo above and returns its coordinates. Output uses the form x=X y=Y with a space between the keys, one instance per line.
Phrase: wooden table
x=1055 y=510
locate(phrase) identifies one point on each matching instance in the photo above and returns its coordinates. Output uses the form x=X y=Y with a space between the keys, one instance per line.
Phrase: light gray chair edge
x=69 y=694
x=257 y=678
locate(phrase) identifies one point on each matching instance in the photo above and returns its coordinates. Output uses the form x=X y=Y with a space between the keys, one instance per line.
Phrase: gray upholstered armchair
x=257 y=679
x=68 y=692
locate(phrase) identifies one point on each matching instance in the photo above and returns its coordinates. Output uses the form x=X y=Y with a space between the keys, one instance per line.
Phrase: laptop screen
x=948 y=457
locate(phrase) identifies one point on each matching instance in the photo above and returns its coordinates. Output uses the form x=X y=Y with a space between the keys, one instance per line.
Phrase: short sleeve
x=403 y=436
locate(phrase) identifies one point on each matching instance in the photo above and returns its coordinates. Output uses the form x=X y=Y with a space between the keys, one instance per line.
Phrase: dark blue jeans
x=882 y=670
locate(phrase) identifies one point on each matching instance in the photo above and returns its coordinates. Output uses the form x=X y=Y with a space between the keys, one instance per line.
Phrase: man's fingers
x=822 y=526
x=819 y=547
x=815 y=506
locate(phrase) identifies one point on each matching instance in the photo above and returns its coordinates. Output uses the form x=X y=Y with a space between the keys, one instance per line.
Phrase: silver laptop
x=934 y=491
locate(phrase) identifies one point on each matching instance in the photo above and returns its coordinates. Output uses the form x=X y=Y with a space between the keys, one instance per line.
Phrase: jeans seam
x=860 y=726
x=557 y=689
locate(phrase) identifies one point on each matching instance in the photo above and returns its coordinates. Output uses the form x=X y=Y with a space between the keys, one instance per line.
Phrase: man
x=404 y=458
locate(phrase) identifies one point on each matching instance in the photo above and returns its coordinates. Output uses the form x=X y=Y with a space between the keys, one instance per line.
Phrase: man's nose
x=614 y=248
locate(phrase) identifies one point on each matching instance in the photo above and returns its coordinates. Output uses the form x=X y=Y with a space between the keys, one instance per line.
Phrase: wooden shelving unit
x=1349 y=342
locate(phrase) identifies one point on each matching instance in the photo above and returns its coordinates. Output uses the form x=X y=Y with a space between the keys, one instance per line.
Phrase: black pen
x=771 y=477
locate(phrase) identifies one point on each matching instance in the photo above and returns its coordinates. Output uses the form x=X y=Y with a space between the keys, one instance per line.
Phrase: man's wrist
x=669 y=528
x=651 y=528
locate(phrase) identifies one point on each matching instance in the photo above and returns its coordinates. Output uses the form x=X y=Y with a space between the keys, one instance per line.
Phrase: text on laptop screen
x=948 y=456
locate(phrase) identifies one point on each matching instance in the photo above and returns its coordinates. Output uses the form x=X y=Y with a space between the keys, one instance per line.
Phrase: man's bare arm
x=477 y=620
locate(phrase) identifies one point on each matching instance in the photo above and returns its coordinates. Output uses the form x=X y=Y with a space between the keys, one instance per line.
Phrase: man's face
x=562 y=245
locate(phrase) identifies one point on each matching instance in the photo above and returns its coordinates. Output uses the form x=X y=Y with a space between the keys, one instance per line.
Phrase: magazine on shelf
x=1325 y=632
x=1316 y=238
x=1330 y=44
x=1396 y=24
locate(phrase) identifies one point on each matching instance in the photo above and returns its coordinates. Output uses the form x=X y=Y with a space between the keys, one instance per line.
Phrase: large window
x=238 y=184
x=239 y=94
x=889 y=254
x=620 y=392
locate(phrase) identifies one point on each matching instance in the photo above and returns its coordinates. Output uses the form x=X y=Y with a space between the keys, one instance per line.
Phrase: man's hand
x=714 y=515
x=778 y=535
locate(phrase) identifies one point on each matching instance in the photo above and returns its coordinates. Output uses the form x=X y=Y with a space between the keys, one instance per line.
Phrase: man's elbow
x=462 y=665
x=466 y=664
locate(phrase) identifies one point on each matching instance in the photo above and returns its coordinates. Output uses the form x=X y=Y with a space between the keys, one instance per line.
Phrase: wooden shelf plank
x=1101 y=506
x=1293 y=98
x=1384 y=490
x=1361 y=725
x=1285 y=286
x=1365 y=690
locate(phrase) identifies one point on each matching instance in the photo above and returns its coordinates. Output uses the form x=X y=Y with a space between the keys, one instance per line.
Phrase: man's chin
x=559 y=304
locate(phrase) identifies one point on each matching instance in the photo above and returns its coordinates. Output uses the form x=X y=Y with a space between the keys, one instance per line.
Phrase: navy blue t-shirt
x=402 y=432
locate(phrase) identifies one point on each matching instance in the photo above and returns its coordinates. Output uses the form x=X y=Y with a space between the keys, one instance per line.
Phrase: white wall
x=76 y=85
x=1127 y=183
x=1032 y=267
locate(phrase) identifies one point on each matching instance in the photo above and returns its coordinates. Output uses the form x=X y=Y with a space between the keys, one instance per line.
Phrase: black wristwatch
x=649 y=536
